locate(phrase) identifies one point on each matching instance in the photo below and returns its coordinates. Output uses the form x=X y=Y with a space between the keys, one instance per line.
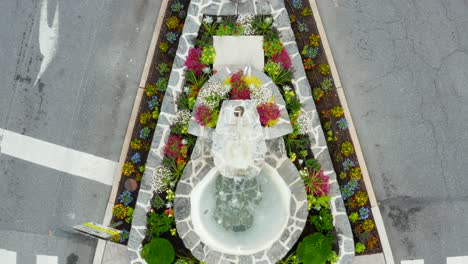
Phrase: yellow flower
x=253 y=80
x=173 y=231
x=292 y=156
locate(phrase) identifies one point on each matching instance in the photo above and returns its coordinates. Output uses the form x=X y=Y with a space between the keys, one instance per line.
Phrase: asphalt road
x=404 y=68
x=69 y=72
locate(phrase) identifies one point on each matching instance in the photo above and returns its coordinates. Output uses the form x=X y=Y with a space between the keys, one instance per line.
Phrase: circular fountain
x=240 y=216
x=240 y=199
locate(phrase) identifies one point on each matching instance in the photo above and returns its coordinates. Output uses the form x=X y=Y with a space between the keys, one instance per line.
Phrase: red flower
x=193 y=61
x=269 y=113
x=239 y=89
x=317 y=183
x=282 y=58
x=169 y=212
x=173 y=147
x=203 y=115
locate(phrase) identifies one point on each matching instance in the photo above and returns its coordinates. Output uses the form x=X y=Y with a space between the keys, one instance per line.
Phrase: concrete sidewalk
x=115 y=254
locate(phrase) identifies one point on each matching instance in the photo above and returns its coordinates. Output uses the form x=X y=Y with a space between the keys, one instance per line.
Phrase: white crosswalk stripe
x=457 y=260
x=414 y=261
x=43 y=259
x=57 y=157
x=7 y=257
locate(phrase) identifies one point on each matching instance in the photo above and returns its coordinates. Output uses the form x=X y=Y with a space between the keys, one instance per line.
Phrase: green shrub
x=315 y=249
x=323 y=221
x=353 y=217
x=324 y=69
x=158 y=251
x=159 y=223
x=359 y=248
x=347 y=148
x=163 y=68
x=161 y=84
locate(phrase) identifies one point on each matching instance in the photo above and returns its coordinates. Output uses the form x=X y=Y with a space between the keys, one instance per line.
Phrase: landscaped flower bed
x=335 y=126
x=147 y=118
x=179 y=146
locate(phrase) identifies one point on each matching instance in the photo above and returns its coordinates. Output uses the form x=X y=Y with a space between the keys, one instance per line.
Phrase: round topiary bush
x=158 y=251
x=314 y=249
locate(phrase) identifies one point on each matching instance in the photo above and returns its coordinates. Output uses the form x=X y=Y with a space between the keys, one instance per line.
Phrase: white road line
x=57 y=157
x=7 y=257
x=43 y=259
x=457 y=260
x=48 y=37
x=414 y=261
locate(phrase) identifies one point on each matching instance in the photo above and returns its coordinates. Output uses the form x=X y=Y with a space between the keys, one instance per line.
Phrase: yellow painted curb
x=357 y=146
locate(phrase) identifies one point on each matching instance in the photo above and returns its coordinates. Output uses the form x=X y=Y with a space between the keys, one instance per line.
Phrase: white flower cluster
x=246 y=20
x=182 y=117
x=304 y=121
x=260 y=94
x=208 y=20
x=159 y=178
x=212 y=93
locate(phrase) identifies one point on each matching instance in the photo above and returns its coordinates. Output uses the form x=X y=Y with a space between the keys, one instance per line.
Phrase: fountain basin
x=269 y=214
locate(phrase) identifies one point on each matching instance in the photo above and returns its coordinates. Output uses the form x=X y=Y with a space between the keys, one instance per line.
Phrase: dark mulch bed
x=153 y=77
x=329 y=100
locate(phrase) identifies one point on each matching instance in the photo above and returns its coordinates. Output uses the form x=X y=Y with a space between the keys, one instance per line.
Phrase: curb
x=354 y=137
x=101 y=245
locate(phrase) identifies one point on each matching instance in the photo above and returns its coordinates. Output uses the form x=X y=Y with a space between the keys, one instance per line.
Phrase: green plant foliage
x=158 y=224
x=318 y=202
x=272 y=46
x=145 y=117
x=172 y=22
x=158 y=251
x=164 y=47
x=306 y=12
x=312 y=164
x=359 y=248
x=120 y=211
x=209 y=25
x=208 y=55
x=161 y=84
x=353 y=217
x=186 y=260
x=278 y=74
x=136 y=144
x=262 y=24
x=324 y=69
x=157 y=202
x=150 y=90
x=355 y=173
x=163 y=68
x=317 y=93
x=347 y=148
x=129 y=217
x=323 y=221
x=337 y=111
x=195 y=80
x=291 y=259
x=310 y=52
x=326 y=85
x=315 y=249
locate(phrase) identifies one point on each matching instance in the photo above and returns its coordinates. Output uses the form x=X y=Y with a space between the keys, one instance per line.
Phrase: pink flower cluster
x=319 y=184
x=173 y=146
x=282 y=58
x=193 y=61
x=269 y=113
x=203 y=115
x=239 y=89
